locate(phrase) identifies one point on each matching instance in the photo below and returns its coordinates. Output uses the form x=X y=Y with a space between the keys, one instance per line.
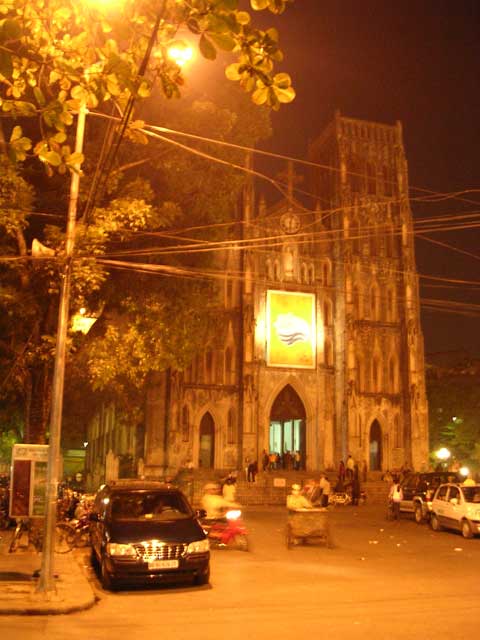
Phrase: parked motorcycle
x=79 y=536
x=227 y=532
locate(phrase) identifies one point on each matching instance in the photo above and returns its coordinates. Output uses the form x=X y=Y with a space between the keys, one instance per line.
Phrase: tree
x=56 y=55
x=152 y=323
x=454 y=407
x=147 y=325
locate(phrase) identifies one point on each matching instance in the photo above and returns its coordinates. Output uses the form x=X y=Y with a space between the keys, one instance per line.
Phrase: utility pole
x=46 y=583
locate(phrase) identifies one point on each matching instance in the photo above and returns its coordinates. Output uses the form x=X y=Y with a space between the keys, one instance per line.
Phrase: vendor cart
x=308 y=525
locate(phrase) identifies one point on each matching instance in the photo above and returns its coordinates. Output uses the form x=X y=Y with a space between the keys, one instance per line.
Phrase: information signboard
x=28 y=480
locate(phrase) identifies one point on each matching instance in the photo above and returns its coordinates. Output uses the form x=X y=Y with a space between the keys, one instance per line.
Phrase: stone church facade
x=339 y=285
x=320 y=350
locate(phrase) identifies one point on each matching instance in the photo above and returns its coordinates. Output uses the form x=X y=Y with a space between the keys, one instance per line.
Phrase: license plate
x=163 y=564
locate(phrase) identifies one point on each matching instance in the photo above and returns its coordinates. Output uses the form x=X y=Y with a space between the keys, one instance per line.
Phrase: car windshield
x=149 y=506
x=472 y=494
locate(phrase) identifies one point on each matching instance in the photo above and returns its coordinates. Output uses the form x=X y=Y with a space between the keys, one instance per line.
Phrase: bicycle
x=34 y=533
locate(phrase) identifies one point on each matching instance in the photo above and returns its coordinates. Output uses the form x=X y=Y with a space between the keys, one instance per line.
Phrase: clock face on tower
x=290 y=222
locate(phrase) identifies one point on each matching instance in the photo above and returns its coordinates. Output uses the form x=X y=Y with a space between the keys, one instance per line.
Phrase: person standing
x=326 y=490
x=297 y=460
x=355 y=486
x=350 y=467
x=265 y=460
x=252 y=471
x=396 y=497
x=341 y=471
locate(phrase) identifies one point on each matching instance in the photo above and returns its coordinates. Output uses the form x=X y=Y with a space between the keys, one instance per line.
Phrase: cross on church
x=292 y=179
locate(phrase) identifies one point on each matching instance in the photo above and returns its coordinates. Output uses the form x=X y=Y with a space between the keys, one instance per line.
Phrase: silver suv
x=456 y=506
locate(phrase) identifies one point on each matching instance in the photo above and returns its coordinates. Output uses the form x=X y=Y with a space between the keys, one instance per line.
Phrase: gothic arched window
x=185 y=424
x=371 y=178
x=209 y=366
x=228 y=366
x=376 y=375
x=231 y=426
x=328 y=353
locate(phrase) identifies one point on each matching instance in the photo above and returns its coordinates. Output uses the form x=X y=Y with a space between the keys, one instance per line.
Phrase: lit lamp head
x=82 y=322
x=443 y=454
x=180 y=53
x=464 y=471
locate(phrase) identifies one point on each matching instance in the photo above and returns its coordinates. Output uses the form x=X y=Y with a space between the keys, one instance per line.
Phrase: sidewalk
x=18 y=594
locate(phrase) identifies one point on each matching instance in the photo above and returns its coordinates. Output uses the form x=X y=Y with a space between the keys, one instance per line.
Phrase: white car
x=457 y=506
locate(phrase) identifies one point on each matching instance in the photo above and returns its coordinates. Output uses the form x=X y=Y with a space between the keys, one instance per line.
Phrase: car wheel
x=434 y=523
x=419 y=514
x=63 y=538
x=105 y=576
x=203 y=578
x=466 y=529
x=93 y=558
x=241 y=542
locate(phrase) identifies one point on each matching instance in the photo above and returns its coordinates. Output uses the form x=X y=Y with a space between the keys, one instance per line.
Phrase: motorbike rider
x=214 y=503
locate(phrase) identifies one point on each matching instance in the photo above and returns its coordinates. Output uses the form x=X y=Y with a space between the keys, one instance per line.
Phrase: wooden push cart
x=310 y=525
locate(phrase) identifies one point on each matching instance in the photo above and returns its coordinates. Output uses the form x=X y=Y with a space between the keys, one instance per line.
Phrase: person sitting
x=229 y=489
x=296 y=500
x=214 y=503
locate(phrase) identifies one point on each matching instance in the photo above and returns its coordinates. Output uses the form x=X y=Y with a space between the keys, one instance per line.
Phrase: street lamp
x=180 y=53
x=46 y=583
x=443 y=455
x=82 y=322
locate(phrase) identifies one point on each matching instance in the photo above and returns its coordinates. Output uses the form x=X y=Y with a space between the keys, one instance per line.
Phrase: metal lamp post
x=46 y=583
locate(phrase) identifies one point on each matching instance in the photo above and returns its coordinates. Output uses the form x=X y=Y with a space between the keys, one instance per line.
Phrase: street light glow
x=443 y=454
x=180 y=53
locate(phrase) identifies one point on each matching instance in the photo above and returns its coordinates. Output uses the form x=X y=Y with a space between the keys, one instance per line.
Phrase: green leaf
x=243 y=18
x=284 y=95
x=207 y=49
x=16 y=134
x=78 y=93
x=75 y=159
x=272 y=34
x=223 y=41
x=259 y=5
x=143 y=90
x=6 y=66
x=282 y=80
x=9 y=30
x=51 y=157
x=232 y=71
x=260 y=96
x=60 y=137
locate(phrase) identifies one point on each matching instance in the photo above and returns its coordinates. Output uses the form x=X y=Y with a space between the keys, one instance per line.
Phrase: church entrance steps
x=272 y=487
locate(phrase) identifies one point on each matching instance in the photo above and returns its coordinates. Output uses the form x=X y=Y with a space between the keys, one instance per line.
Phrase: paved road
x=383 y=580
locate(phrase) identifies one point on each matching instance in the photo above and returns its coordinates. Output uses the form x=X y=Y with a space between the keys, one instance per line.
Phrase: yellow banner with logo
x=291 y=331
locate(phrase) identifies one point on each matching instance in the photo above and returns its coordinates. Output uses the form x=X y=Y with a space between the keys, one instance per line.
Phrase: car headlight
x=117 y=549
x=199 y=546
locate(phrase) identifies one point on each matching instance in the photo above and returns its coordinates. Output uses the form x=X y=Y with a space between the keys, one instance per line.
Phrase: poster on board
x=28 y=480
x=291 y=329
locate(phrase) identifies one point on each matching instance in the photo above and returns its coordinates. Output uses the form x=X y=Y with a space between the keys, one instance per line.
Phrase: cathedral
x=321 y=353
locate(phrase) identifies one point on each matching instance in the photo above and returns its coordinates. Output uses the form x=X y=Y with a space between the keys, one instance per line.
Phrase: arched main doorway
x=375 y=446
x=206 y=454
x=287 y=424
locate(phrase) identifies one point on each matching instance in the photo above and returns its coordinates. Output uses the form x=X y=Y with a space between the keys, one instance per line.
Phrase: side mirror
x=200 y=513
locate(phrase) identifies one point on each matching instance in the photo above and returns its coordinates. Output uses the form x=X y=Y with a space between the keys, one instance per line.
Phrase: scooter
x=227 y=532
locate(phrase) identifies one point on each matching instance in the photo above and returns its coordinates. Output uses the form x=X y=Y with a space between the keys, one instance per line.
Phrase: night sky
x=416 y=61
